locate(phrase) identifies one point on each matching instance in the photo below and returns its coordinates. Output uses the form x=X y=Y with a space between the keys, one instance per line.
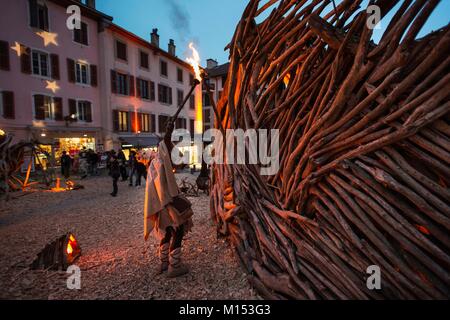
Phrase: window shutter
x=45 y=22
x=4 y=55
x=25 y=59
x=73 y=107
x=134 y=122
x=152 y=91
x=116 y=120
x=58 y=109
x=39 y=109
x=33 y=13
x=84 y=33
x=132 y=86
x=160 y=93
x=71 y=70
x=138 y=87
x=170 y=95
x=153 y=123
x=94 y=80
x=113 y=81
x=8 y=105
x=89 y=112
x=54 y=58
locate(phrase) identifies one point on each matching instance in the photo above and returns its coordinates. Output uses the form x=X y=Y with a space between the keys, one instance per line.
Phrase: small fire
x=71 y=245
x=69 y=248
x=194 y=61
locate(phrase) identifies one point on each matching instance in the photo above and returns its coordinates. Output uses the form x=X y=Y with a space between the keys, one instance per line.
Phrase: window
x=180 y=75
x=145 y=122
x=123 y=121
x=122 y=84
x=162 y=121
x=143 y=57
x=81 y=35
x=38 y=15
x=84 y=111
x=163 y=67
x=143 y=89
x=4 y=56
x=180 y=123
x=192 y=102
x=82 y=73
x=164 y=94
x=121 y=51
x=47 y=108
x=206 y=100
x=180 y=97
x=40 y=63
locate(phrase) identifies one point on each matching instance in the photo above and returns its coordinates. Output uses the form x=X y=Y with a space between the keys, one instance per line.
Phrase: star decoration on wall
x=18 y=49
x=48 y=37
x=52 y=85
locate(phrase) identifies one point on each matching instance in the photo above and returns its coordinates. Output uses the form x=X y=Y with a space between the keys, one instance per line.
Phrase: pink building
x=49 y=74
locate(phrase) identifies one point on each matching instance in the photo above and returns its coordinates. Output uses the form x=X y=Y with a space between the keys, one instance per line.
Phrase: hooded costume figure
x=167 y=213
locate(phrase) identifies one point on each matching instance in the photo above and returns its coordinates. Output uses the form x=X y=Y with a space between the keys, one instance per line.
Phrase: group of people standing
x=85 y=163
x=131 y=170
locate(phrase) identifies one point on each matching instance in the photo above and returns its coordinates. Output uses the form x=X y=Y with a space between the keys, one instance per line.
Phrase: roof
x=116 y=28
x=85 y=10
x=218 y=71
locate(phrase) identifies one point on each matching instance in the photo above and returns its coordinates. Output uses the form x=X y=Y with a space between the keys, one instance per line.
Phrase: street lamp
x=70 y=119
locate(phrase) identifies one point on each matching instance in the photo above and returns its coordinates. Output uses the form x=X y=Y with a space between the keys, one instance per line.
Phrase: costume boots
x=164 y=257
x=176 y=267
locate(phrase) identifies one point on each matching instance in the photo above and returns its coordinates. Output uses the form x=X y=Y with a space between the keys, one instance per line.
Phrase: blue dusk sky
x=210 y=24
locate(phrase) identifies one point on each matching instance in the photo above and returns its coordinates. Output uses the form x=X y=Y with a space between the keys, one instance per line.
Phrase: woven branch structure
x=364 y=151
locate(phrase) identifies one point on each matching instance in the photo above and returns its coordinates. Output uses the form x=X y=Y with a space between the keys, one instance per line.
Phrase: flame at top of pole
x=194 y=61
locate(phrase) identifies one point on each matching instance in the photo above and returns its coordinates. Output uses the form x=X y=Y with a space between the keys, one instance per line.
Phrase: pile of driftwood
x=364 y=151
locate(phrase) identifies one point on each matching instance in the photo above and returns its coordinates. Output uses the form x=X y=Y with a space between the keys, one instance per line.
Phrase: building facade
x=49 y=74
x=98 y=86
x=217 y=75
x=143 y=87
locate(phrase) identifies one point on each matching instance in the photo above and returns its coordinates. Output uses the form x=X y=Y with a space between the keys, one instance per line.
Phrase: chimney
x=211 y=63
x=155 y=37
x=90 y=3
x=172 y=47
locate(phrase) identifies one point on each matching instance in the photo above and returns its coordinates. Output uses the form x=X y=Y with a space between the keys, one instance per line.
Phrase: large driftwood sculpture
x=364 y=151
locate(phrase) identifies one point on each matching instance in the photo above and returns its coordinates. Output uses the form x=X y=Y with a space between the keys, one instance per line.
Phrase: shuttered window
x=4 y=56
x=40 y=63
x=121 y=51
x=7 y=108
x=84 y=111
x=163 y=68
x=38 y=15
x=47 y=108
x=164 y=94
x=143 y=57
x=81 y=35
x=162 y=121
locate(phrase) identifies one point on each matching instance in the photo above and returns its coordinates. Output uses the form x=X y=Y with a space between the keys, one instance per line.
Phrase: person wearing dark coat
x=122 y=164
x=66 y=163
x=115 y=173
x=141 y=171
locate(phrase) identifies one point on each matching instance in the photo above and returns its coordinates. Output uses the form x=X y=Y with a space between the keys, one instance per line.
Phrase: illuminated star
x=49 y=37
x=52 y=85
x=18 y=49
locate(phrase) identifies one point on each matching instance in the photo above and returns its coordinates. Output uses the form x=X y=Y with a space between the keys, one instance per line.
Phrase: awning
x=139 y=142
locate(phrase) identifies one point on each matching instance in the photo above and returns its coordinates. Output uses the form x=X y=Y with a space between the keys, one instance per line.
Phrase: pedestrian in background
x=115 y=173
x=66 y=164
x=132 y=165
x=122 y=164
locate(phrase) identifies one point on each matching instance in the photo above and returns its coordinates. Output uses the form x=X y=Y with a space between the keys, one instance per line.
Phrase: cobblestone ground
x=116 y=263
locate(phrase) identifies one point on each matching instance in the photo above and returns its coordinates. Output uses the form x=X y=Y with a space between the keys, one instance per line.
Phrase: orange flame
x=194 y=61
x=69 y=248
